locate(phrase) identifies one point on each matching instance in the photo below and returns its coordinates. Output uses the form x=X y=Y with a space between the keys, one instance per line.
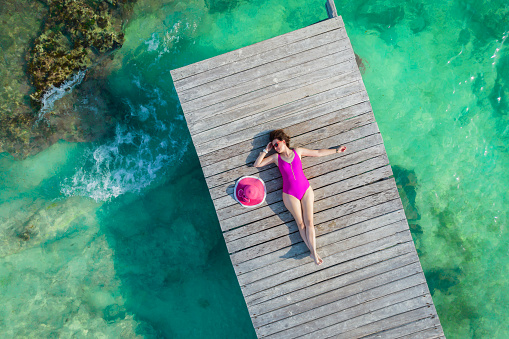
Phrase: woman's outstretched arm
x=319 y=152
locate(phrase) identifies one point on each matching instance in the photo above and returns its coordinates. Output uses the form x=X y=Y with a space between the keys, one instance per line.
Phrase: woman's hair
x=280 y=135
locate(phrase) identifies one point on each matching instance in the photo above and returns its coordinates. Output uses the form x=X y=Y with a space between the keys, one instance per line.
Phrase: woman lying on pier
x=298 y=195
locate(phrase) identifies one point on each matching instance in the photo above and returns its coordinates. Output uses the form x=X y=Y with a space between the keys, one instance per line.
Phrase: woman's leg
x=293 y=205
x=307 y=211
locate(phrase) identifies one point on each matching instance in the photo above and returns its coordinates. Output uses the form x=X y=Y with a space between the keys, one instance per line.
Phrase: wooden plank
x=433 y=332
x=398 y=292
x=411 y=330
x=275 y=185
x=248 y=75
x=268 y=126
x=375 y=194
x=269 y=269
x=263 y=59
x=279 y=235
x=272 y=172
x=247 y=156
x=279 y=80
x=213 y=117
x=375 y=321
x=367 y=280
x=315 y=182
x=262 y=286
x=298 y=289
x=331 y=9
x=298 y=128
x=249 y=124
x=355 y=140
x=396 y=320
x=273 y=196
x=249 y=51
x=325 y=237
x=358 y=275
x=355 y=145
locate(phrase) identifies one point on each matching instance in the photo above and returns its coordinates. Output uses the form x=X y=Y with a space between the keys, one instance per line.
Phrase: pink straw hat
x=250 y=191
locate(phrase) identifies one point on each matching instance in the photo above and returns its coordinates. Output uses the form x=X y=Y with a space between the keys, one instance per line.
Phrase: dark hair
x=280 y=135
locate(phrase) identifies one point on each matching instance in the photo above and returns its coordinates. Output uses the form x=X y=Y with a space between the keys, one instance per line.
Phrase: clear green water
x=114 y=247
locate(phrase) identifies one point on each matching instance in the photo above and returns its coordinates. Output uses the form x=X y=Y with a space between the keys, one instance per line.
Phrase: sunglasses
x=277 y=143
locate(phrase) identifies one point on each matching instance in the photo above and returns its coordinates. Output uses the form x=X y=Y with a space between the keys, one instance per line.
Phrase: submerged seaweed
x=45 y=46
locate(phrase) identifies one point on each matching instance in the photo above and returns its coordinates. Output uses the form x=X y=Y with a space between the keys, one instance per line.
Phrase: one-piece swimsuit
x=295 y=182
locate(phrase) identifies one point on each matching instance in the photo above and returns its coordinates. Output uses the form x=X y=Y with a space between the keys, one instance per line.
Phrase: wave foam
x=56 y=93
x=129 y=163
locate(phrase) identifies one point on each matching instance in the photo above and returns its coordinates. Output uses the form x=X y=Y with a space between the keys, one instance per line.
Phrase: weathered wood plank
x=364 y=280
x=270 y=269
x=411 y=330
x=265 y=285
x=263 y=46
x=323 y=192
x=249 y=124
x=298 y=127
x=395 y=320
x=248 y=134
x=331 y=9
x=301 y=138
x=262 y=88
x=434 y=332
x=272 y=83
x=321 y=317
x=302 y=263
x=277 y=238
x=362 y=179
x=315 y=182
x=355 y=140
x=325 y=236
x=272 y=172
x=298 y=289
x=264 y=58
x=353 y=277
x=208 y=119
x=376 y=321
x=247 y=75
x=279 y=234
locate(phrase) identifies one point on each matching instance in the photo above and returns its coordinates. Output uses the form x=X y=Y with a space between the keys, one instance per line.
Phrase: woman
x=298 y=195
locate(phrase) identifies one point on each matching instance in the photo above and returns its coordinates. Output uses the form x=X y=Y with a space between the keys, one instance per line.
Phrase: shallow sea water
x=119 y=238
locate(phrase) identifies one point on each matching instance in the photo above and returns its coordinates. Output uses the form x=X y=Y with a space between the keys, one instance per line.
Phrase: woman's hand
x=341 y=149
x=269 y=146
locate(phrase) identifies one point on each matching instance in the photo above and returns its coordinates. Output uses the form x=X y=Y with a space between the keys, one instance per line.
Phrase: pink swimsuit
x=294 y=180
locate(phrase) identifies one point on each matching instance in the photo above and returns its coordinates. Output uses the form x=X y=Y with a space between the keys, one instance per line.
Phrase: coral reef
x=44 y=44
x=74 y=36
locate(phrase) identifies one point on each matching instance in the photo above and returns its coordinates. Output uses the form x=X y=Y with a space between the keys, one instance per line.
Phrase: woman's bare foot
x=317 y=259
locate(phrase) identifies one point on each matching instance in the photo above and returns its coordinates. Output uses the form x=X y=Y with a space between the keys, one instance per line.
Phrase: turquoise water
x=101 y=239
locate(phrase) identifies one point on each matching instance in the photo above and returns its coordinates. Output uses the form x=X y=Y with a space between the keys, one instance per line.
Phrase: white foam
x=153 y=44
x=56 y=93
x=129 y=163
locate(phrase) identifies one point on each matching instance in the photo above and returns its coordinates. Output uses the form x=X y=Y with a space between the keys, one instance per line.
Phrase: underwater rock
x=406 y=181
x=442 y=279
x=487 y=22
x=113 y=312
x=74 y=37
x=45 y=222
x=361 y=64
x=44 y=45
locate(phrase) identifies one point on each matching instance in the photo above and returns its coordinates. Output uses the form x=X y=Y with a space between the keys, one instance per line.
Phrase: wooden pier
x=371 y=284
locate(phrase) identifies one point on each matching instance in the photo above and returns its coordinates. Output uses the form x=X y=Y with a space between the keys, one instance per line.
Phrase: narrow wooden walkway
x=371 y=284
